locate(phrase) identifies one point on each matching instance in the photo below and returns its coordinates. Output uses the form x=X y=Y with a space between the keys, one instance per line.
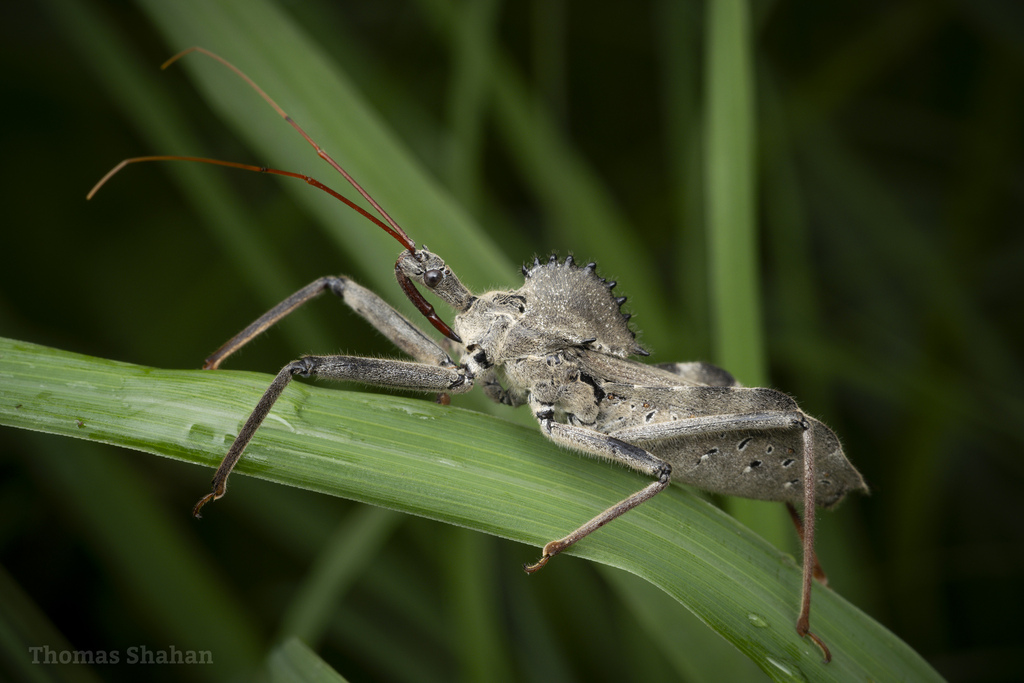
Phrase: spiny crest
x=565 y=298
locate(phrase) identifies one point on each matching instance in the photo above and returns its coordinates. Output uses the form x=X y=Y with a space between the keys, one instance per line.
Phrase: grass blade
x=463 y=468
x=294 y=662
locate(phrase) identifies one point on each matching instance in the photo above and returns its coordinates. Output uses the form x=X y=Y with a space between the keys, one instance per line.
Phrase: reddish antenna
x=389 y=224
x=392 y=227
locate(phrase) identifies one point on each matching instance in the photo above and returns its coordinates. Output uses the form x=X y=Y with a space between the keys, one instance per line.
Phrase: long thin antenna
x=407 y=241
x=391 y=226
x=398 y=234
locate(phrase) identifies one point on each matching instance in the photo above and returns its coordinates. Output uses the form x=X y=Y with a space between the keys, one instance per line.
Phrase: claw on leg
x=204 y=500
x=531 y=568
x=803 y=630
x=550 y=550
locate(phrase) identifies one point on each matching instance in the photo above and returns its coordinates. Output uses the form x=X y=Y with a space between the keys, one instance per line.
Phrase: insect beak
x=422 y=305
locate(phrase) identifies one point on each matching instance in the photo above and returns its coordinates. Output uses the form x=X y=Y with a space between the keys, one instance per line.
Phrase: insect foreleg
x=602 y=445
x=375 y=310
x=395 y=326
x=376 y=371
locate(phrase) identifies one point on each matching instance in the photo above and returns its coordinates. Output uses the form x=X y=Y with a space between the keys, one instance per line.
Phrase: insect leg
x=776 y=420
x=602 y=445
x=492 y=388
x=810 y=559
x=701 y=373
x=377 y=371
x=375 y=310
x=713 y=423
x=780 y=420
x=819 y=573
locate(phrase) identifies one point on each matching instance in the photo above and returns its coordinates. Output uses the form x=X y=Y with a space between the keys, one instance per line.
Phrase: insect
x=561 y=345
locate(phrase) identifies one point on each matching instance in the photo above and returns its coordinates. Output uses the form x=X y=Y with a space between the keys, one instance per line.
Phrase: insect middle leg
x=376 y=371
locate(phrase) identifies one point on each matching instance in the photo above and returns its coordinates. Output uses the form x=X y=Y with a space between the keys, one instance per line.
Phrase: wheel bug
x=561 y=345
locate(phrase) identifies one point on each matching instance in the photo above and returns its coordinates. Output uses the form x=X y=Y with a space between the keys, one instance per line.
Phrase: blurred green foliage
x=885 y=172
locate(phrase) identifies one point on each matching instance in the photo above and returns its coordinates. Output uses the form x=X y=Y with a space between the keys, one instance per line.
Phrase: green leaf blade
x=463 y=468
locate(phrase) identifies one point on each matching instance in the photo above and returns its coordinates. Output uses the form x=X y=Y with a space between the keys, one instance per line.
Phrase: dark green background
x=890 y=188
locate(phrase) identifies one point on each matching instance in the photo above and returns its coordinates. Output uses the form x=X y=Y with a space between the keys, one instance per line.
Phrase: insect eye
x=432 y=278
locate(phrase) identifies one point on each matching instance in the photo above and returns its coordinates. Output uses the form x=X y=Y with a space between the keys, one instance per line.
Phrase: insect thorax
x=560 y=306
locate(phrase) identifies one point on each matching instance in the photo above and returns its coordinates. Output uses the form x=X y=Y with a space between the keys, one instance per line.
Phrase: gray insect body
x=764 y=465
x=561 y=345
